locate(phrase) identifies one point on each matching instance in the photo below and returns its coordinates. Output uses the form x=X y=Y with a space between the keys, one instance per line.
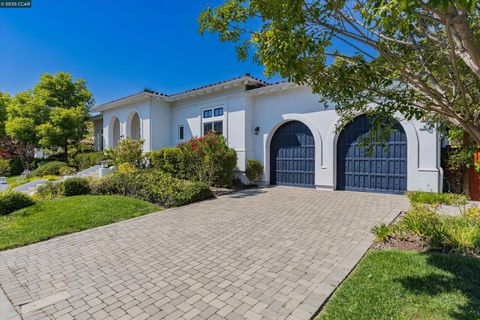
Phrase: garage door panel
x=381 y=167
x=292 y=155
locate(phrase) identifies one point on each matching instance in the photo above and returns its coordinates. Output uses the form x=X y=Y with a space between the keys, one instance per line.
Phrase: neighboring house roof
x=252 y=84
x=94 y=117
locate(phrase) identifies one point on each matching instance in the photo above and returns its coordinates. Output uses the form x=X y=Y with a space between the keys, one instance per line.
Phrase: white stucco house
x=285 y=127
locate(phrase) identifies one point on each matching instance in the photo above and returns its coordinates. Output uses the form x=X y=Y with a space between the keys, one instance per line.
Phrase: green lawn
x=394 y=284
x=51 y=218
x=13 y=179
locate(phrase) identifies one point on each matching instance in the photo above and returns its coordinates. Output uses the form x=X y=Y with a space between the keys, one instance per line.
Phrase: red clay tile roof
x=261 y=83
x=246 y=75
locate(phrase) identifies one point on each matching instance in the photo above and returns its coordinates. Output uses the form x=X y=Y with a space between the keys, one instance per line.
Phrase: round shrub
x=254 y=170
x=11 y=201
x=76 y=186
x=49 y=168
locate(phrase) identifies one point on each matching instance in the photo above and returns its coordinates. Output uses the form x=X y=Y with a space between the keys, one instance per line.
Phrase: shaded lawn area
x=395 y=284
x=52 y=218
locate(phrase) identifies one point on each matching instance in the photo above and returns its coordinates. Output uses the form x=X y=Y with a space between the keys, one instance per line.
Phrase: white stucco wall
x=244 y=111
x=124 y=115
x=189 y=114
x=270 y=111
x=161 y=133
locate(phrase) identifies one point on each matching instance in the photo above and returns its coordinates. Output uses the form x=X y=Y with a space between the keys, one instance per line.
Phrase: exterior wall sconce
x=257 y=130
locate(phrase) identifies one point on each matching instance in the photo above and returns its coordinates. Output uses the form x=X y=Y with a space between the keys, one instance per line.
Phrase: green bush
x=382 y=232
x=473 y=213
x=50 y=190
x=206 y=159
x=462 y=235
x=11 y=201
x=76 y=186
x=4 y=166
x=437 y=198
x=127 y=151
x=88 y=159
x=254 y=170
x=49 y=168
x=16 y=167
x=155 y=159
x=169 y=160
x=153 y=186
x=459 y=234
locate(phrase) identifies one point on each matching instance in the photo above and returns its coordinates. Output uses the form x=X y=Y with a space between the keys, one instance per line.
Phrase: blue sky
x=118 y=47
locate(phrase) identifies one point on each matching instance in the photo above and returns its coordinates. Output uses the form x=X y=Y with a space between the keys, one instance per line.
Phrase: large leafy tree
x=52 y=115
x=4 y=99
x=417 y=57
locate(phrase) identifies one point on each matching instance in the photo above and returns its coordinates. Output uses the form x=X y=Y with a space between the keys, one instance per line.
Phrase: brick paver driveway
x=272 y=253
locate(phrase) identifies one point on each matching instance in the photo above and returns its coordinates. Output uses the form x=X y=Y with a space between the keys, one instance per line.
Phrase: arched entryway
x=292 y=155
x=115 y=132
x=134 y=127
x=378 y=167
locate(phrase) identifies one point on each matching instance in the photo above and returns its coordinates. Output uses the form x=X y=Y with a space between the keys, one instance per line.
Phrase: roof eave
x=124 y=101
x=272 y=88
x=234 y=83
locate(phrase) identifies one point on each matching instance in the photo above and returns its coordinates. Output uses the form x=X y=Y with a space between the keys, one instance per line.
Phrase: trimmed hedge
x=88 y=159
x=53 y=168
x=154 y=186
x=76 y=186
x=12 y=201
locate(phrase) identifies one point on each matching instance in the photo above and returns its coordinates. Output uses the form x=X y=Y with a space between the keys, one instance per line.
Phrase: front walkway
x=272 y=253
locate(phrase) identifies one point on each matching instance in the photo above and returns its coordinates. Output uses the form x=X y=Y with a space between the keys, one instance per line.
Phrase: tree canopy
x=4 y=99
x=420 y=58
x=52 y=115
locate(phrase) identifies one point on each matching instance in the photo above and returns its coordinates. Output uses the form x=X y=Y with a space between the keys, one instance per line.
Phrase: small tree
x=65 y=127
x=53 y=114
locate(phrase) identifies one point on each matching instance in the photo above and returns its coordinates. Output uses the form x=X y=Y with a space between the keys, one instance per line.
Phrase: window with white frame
x=212 y=120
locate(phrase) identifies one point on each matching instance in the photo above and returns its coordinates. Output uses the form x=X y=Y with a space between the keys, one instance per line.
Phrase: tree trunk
x=473 y=132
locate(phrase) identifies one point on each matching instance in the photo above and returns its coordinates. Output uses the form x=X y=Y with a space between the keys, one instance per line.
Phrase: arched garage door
x=292 y=156
x=378 y=168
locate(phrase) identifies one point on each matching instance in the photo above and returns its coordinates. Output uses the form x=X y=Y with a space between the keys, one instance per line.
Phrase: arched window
x=135 y=129
x=115 y=132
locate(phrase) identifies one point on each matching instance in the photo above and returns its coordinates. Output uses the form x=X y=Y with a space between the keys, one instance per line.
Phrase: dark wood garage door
x=292 y=156
x=378 y=168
